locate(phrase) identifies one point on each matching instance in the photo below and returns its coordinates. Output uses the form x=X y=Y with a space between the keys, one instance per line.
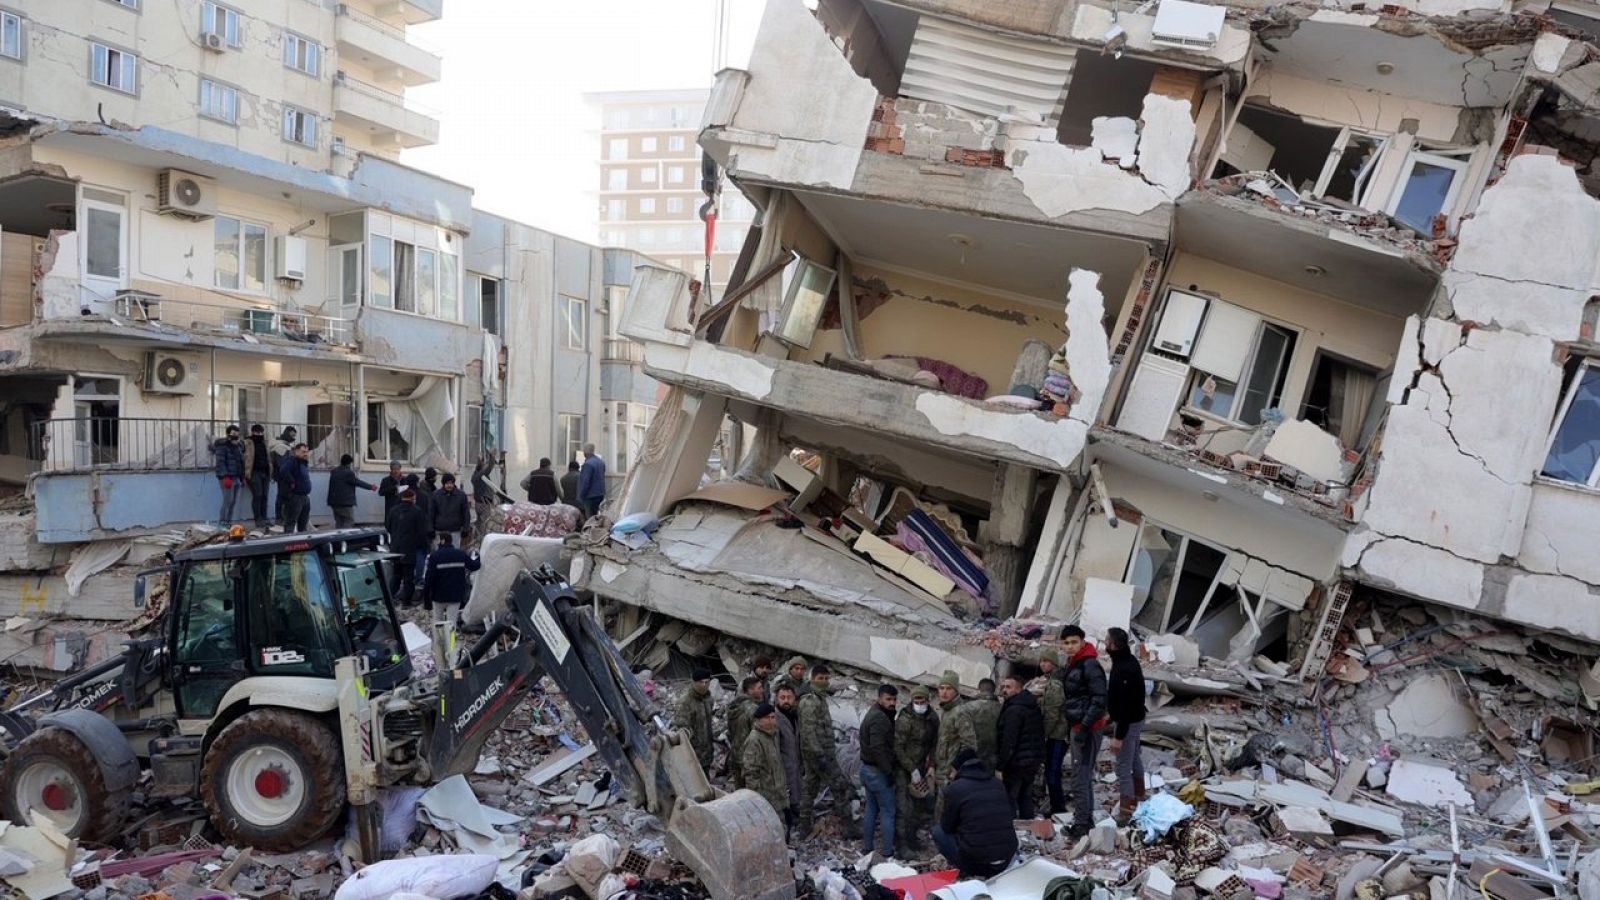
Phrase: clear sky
x=514 y=123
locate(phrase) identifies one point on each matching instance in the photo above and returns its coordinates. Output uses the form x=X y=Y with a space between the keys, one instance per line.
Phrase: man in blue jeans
x=877 y=771
x=230 y=472
x=592 y=481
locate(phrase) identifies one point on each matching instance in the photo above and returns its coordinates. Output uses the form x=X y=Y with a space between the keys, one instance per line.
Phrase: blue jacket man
x=446 y=581
x=592 y=481
x=294 y=474
x=230 y=471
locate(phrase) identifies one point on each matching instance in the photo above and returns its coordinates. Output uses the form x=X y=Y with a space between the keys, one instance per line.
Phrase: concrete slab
x=1428 y=707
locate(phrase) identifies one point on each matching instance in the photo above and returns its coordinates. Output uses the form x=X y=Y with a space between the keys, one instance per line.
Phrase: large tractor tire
x=53 y=774
x=273 y=780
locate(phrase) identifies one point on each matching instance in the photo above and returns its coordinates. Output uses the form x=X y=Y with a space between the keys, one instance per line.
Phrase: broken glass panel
x=1575 y=448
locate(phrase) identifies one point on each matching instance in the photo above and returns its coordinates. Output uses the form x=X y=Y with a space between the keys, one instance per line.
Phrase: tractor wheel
x=53 y=774
x=273 y=780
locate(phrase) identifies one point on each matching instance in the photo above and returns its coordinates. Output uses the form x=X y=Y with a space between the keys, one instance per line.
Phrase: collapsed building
x=1203 y=317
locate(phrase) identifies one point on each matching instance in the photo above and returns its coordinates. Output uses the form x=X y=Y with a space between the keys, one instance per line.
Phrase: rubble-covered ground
x=1440 y=750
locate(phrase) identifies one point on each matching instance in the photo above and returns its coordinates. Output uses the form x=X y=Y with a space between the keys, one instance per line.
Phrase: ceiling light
x=1386 y=68
x=1316 y=271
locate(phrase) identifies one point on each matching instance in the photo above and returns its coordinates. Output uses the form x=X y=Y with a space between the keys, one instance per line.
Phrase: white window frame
x=630 y=422
x=12 y=23
x=676 y=143
x=227 y=111
x=617 y=180
x=244 y=226
x=647 y=145
x=647 y=175
x=126 y=68
x=1457 y=159
x=616 y=149
x=223 y=21
x=675 y=204
x=647 y=205
x=570 y=432
x=1199 y=375
x=1568 y=396
x=675 y=174
x=1364 y=179
x=302 y=54
x=299 y=126
x=225 y=397
x=575 y=319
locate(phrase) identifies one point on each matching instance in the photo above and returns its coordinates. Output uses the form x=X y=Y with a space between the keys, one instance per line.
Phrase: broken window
x=1171 y=574
x=415 y=427
x=1350 y=164
x=1574 y=453
x=805 y=294
x=1339 y=398
x=1264 y=140
x=1240 y=364
x=1429 y=186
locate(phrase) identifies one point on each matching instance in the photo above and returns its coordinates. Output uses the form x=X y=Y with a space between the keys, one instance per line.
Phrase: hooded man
x=793 y=677
x=789 y=747
x=955 y=728
x=819 y=754
x=916 y=731
x=277 y=452
x=540 y=484
x=342 y=484
x=1056 y=731
x=975 y=831
x=258 y=473
x=452 y=512
x=1020 y=744
x=752 y=693
x=229 y=453
x=1084 y=685
x=761 y=759
x=985 y=714
x=694 y=716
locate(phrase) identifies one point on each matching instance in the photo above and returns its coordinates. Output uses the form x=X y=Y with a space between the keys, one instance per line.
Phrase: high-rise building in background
x=649 y=189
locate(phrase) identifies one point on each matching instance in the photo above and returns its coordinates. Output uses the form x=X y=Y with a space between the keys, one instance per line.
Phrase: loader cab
x=280 y=606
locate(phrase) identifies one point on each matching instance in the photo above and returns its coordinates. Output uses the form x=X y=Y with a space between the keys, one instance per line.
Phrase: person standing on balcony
x=281 y=449
x=229 y=453
x=296 y=477
x=258 y=469
x=452 y=514
x=342 y=484
x=592 y=481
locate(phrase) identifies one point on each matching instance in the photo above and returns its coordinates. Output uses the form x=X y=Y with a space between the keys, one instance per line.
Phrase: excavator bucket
x=735 y=845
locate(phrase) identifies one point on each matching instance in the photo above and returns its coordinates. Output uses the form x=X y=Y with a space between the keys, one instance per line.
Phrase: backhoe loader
x=280 y=691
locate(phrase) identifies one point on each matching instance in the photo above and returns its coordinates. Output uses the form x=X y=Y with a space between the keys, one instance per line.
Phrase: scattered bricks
x=983 y=159
x=315 y=888
x=1306 y=872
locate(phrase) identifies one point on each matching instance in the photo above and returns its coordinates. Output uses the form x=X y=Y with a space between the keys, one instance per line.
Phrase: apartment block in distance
x=1205 y=316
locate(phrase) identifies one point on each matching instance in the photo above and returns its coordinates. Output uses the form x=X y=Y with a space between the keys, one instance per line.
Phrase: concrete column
x=1004 y=555
x=655 y=483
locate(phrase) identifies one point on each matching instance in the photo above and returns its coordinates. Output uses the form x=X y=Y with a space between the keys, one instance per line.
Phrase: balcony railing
x=289 y=325
x=621 y=350
x=377 y=24
x=377 y=93
x=164 y=445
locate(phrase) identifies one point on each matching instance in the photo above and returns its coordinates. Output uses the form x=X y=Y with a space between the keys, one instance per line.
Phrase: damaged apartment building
x=1204 y=317
x=203 y=222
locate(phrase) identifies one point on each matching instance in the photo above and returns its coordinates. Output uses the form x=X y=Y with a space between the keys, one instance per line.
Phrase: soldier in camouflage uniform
x=1056 y=731
x=955 y=729
x=819 y=754
x=752 y=693
x=794 y=676
x=916 y=732
x=694 y=716
x=762 y=763
x=985 y=712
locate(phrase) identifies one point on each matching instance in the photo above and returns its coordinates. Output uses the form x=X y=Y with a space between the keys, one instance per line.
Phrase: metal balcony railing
x=377 y=24
x=343 y=79
x=621 y=350
x=90 y=443
x=290 y=325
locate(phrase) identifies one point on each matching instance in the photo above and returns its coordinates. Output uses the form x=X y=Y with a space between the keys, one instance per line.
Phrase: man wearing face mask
x=916 y=730
x=694 y=716
x=820 y=755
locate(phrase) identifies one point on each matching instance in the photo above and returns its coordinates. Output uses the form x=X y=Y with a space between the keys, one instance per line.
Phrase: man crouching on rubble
x=975 y=831
x=1084 y=684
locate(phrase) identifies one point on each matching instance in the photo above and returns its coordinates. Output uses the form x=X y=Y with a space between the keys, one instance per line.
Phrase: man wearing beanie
x=956 y=731
x=1055 y=729
x=741 y=716
x=762 y=763
x=916 y=730
x=975 y=831
x=694 y=716
x=820 y=755
x=794 y=676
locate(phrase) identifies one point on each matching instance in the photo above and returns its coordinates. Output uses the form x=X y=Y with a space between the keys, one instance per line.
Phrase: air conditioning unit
x=169 y=373
x=213 y=41
x=181 y=193
x=290 y=252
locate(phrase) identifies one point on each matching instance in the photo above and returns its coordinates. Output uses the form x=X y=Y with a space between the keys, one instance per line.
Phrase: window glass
x=301 y=54
x=1353 y=167
x=1426 y=191
x=207 y=633
x=489 y=304
x=1265 y=380
x=617 y=148
x=219 y=101
x=647 y=145
x=1213 y=395
x=103 y=249
x=648 y=175
x=1576 y=447
x=382 y=270
x=807 y=295
x=617 y=180
x=291 y=614
x=450 y=289
x=254 y=270
x=405 y=277
x=427 y=282
x=577 y=336
x=10 y=35
x=674 y=174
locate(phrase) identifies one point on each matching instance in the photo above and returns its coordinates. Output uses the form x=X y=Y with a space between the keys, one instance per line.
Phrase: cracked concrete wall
x=1456 y=513
x=1060 y=179
x=55 y=78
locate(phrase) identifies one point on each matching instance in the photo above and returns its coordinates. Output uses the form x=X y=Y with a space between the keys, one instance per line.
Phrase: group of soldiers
x=781 y=741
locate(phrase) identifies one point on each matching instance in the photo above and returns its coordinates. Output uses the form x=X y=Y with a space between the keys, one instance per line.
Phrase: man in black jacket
x=452 y=512
x=342 y=484
x=541 y=484
x=1019 y=744
x=447 y=582
x=569 y=486
x=877 y=770
x=1125 y=706
x=258 y=469
x=408 y=537
x=975 y=831
x=389 y=487
x=1084 y=684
